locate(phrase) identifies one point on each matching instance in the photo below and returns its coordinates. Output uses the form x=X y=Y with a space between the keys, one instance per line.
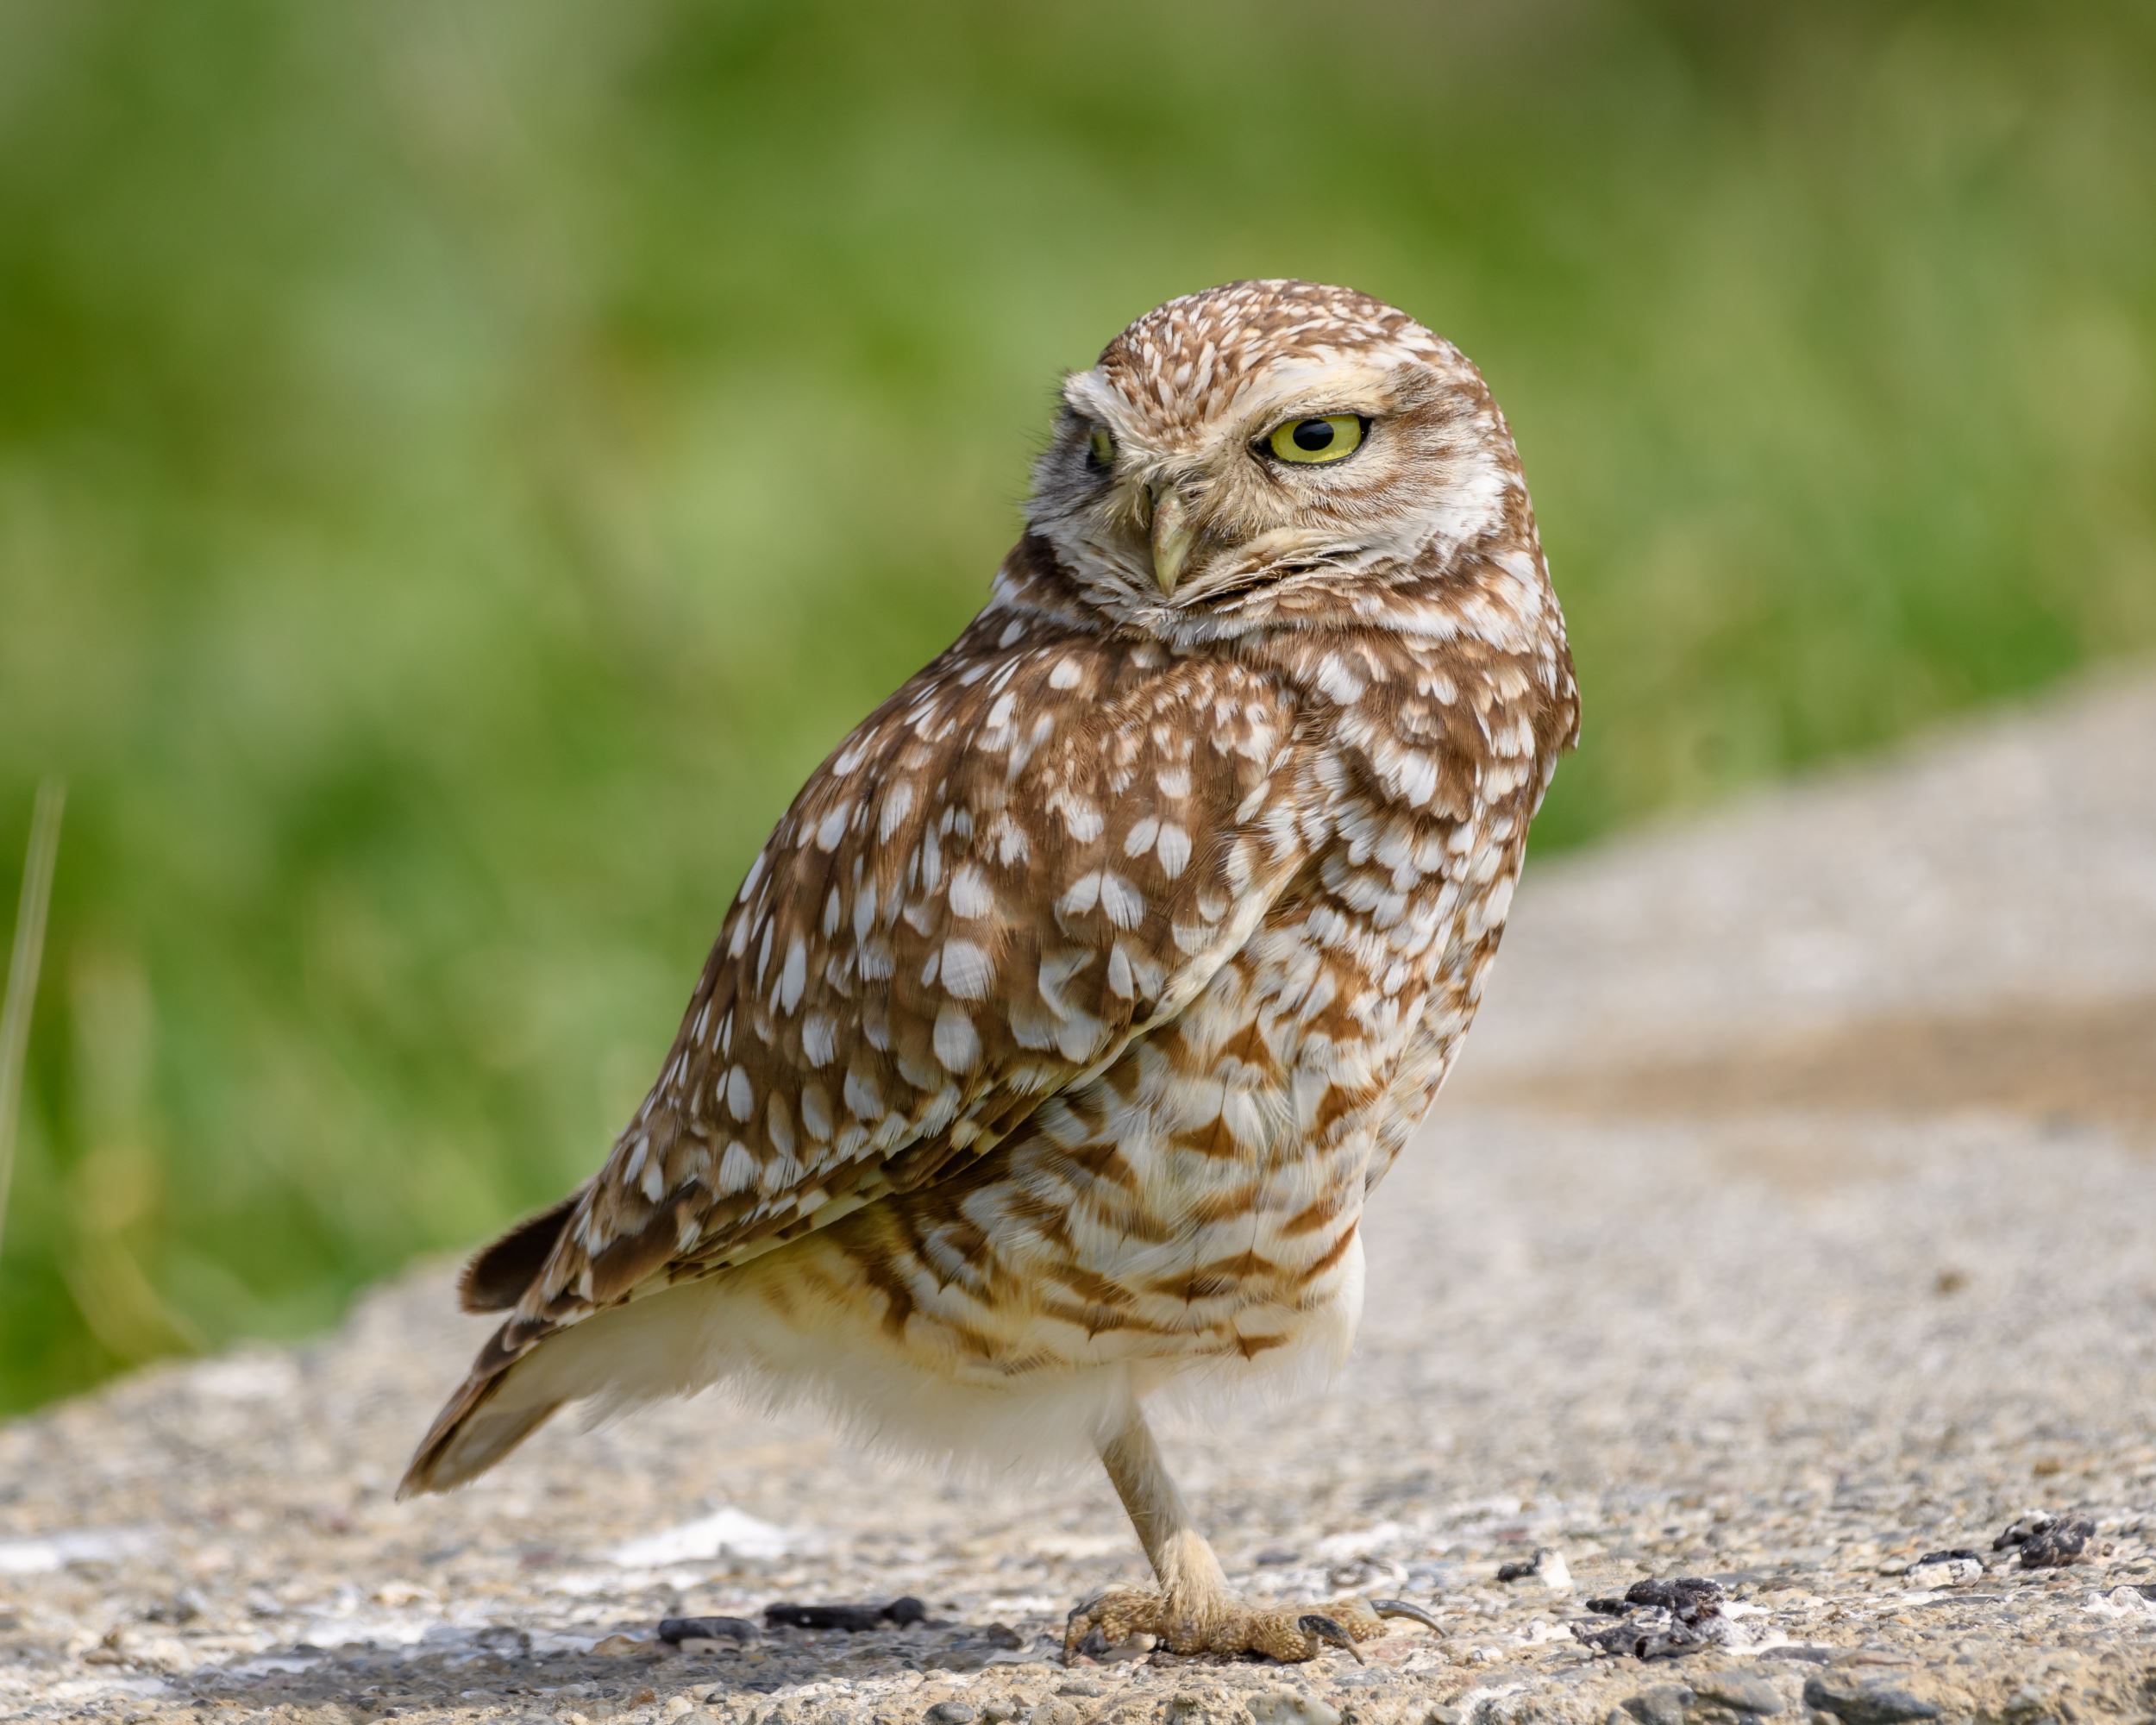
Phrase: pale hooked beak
x=1172 y=532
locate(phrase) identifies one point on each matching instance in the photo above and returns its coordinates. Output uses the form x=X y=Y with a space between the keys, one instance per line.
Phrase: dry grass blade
x=22 y=968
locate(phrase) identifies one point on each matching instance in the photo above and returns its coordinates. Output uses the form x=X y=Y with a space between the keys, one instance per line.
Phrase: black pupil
x=1313 y=434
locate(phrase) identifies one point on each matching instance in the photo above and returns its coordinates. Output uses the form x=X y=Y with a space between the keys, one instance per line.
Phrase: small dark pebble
x=2061 y=1543
x=1686 y=1593
x=2047 y=1541
x=1959 y=1554
x=1630 y=1640
x=676 y=1630
x=782 y=1615
x=1673 y=1617
x=901 y=1612
x=1520 y=1571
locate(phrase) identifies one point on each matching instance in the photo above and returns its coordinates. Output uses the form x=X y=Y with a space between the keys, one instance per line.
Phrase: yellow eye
x=1100 y=449
x=1334 y=438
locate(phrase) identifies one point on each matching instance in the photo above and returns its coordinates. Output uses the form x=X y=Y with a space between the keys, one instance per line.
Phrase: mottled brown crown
x=1185 y=359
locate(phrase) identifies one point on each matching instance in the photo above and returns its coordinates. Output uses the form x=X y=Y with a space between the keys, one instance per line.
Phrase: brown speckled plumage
x=1064 y=1024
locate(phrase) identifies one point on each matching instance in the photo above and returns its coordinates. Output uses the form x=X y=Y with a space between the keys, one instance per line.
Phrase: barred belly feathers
x=1061 y=1030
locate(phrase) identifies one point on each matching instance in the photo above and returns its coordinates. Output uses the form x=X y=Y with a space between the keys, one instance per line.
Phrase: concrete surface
x=1793 y=1220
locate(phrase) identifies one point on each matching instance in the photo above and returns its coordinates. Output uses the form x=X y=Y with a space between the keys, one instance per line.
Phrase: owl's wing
x=1045 y=842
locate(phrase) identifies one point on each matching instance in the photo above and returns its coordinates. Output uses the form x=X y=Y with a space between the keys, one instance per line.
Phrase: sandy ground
x=1793 y=1221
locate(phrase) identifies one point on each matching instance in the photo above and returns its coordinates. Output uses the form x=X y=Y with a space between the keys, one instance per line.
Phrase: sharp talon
x=1400 y=1608
x=1078 y=1625
x=1319 y=1628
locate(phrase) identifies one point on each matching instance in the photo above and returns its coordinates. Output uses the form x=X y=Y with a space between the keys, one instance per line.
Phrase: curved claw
x=1319 y=1628
x=1400 y=1608
x=1076 y=1625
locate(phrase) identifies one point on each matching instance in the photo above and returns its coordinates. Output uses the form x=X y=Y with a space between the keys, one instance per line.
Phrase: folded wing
x=1043 y=844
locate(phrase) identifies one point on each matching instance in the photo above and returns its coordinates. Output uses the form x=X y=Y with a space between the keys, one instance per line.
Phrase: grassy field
x=461 y=464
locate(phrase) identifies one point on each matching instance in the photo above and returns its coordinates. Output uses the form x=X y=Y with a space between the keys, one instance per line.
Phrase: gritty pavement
x=1791 y=1228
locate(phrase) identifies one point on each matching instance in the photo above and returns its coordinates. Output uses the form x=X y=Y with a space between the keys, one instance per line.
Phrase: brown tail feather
x=478 y=1426
x=496 y=1278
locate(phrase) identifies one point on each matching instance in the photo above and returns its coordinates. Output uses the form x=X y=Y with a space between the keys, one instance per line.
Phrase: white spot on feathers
x=741 y=1095
x=958 y=1043
x=970 y=893
x=1082 y=895
x=967 y=974
x=898 y=803
x=1124 y=903
x=737 y=1168
x=862 y=1095
x=1080 y=815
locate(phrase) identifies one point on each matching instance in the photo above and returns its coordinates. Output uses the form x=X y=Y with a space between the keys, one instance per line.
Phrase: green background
x=462 y=464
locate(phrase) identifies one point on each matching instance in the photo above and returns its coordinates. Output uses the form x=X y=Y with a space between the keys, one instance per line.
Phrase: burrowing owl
x=1059 y=1031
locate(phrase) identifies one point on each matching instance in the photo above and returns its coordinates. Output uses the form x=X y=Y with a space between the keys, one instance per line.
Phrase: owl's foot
x=1215 y=1624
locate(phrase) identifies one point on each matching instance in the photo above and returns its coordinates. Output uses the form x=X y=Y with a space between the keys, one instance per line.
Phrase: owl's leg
x=1192 y=1610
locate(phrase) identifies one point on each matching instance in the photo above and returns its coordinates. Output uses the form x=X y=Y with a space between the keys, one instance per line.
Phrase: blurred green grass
x=462 y=464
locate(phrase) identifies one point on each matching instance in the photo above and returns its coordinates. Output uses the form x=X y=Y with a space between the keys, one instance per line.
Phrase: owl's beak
x=1172 y=532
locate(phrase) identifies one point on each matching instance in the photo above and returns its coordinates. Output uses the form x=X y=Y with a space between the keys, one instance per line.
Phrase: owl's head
x=1269 y=448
